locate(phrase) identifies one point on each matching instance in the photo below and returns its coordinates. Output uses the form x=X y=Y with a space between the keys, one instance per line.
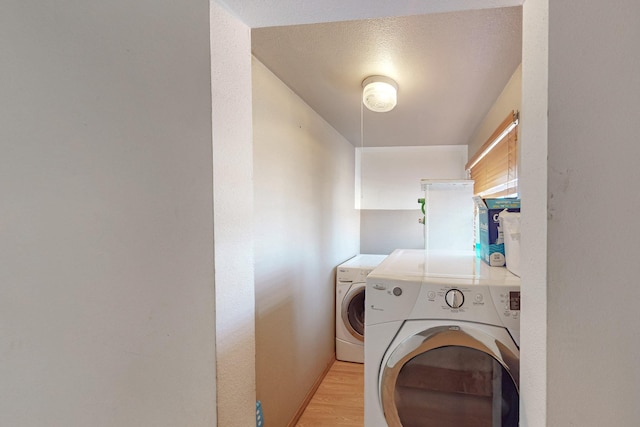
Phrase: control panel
x=497 y=305
x=389 y=300
x=455 y=302
x=507 y=302
x=454 y=298
x=352 y=274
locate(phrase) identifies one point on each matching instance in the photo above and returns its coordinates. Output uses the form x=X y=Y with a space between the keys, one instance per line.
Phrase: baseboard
x=311 y=392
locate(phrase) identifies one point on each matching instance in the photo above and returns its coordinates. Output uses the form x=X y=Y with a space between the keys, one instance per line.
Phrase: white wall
x=533 y=191
x=106 y=277
x=383 y=231
x=593 y=376
x=390 y=176
x=510 y=99
x=233 y=218
x=389 y=187
x=305 y=225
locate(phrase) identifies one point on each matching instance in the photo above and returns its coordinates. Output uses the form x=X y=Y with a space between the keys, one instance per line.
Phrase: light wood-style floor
x=339 y=401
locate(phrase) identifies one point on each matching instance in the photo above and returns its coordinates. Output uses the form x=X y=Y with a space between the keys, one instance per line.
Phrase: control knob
x=454 y=298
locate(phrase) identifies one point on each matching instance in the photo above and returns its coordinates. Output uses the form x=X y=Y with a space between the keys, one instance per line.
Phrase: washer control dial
x=454 y=298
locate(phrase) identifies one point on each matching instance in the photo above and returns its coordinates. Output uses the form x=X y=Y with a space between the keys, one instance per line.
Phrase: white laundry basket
x=510 y=225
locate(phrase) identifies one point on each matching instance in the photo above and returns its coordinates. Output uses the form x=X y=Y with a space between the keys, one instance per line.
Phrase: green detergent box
x=491 y=236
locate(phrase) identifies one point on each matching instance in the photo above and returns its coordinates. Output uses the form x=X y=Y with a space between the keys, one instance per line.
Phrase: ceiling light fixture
x=380 y=93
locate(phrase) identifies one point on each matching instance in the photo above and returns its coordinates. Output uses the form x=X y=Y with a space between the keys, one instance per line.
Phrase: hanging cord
x=361 y=154
x=361 y=124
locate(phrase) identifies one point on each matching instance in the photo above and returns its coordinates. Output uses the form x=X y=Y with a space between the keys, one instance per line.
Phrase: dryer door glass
x=456 y=386
x=353 y=311
x=447 y=377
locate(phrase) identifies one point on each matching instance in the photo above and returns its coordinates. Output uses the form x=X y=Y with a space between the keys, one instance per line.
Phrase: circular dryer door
x=353 y=310
x=450 y=376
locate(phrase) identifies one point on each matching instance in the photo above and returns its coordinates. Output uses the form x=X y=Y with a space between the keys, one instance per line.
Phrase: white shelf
x=443 y=183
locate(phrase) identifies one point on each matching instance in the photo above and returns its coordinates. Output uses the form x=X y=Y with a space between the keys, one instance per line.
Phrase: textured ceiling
x=450 y=68
x=261 y=13
x=451 y=59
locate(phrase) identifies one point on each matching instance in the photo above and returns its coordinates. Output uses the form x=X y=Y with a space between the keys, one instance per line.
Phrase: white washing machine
x=350 y=291
x=442 y=348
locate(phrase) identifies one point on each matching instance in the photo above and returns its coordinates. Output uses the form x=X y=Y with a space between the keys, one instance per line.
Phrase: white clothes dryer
x=350 y=293
x=442 y=344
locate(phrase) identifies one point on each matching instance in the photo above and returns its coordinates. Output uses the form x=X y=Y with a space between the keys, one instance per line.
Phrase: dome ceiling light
x=380 y=93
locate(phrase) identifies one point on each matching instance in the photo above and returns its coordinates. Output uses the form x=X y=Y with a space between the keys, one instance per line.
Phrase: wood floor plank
x=339 y=401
